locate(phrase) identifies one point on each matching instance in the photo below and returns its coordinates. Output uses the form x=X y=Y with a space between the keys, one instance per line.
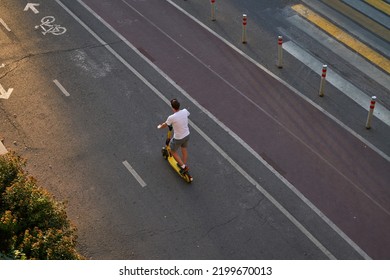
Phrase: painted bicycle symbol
x=48 y=26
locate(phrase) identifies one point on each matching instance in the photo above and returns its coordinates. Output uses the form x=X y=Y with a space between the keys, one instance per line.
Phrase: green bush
x=10 y=166
x=32 y=224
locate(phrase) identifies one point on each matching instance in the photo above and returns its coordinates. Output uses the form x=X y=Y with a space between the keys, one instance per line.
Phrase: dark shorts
x=176 y=144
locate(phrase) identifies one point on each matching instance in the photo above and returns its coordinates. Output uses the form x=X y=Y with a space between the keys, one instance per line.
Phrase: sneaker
x=183 y=170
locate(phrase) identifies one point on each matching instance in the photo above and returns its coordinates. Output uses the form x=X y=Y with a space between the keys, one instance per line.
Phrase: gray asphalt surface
x=76 y=145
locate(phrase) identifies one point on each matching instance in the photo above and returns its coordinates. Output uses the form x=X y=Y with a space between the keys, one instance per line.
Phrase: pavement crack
x=7 y=118
x=257 y=212
x=219 y=226
x=256 y=204
x=13 y=65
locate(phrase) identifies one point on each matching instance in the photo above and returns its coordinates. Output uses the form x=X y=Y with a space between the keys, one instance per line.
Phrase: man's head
x=175 y=104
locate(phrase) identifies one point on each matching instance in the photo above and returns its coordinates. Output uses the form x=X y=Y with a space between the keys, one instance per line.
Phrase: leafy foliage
x=10 y=166
x=32 y=224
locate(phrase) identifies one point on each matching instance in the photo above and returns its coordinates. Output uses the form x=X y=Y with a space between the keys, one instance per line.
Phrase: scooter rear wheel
x=188 y=178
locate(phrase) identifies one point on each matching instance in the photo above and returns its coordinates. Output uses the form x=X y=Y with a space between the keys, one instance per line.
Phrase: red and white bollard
x=280 y=52
x=323 y=78
x=213 y=10
x=244 y=22
x=371 y=112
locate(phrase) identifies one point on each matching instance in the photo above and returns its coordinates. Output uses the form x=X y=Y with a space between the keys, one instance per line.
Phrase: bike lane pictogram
x=48 y=26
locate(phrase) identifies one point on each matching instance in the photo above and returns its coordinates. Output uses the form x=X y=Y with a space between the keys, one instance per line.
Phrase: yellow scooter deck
x=174 y=165
x=168 y=156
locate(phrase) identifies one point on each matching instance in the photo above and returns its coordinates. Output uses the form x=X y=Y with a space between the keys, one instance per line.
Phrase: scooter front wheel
x=164 y=152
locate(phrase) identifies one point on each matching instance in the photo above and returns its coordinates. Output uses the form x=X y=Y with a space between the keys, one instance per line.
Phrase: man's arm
x=163 y=125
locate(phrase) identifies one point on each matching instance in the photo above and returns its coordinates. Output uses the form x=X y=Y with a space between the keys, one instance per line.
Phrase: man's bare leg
x=177 y=158
x=185 y=155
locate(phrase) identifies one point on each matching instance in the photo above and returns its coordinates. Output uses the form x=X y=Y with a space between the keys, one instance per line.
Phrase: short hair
x=175 y=104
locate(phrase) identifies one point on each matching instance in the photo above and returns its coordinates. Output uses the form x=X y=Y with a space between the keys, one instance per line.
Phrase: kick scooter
x=167 y=154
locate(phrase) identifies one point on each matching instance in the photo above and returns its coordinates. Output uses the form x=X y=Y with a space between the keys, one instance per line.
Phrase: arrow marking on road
x=5 y=25
x=3 y=150
x=5 y=94
x=31 y=6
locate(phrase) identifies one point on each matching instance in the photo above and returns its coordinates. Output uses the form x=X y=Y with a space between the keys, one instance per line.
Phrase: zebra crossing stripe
x=379 y=5
x=360 y=18
x=365 y=51
x=370 y=12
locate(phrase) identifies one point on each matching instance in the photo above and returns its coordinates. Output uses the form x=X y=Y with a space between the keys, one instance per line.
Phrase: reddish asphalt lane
x=345 y=179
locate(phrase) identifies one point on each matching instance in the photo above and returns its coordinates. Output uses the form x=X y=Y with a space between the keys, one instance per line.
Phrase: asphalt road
x=267 y=185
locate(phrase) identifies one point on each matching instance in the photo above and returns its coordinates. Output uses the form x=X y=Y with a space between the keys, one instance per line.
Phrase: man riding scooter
x=179 y=121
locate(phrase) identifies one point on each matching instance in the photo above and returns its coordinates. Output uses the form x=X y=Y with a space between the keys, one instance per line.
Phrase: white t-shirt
x=179 y=121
